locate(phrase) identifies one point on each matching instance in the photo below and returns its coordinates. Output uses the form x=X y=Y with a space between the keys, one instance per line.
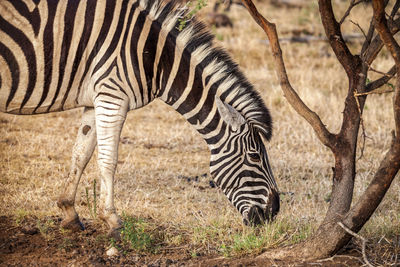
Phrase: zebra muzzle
x=257 y=215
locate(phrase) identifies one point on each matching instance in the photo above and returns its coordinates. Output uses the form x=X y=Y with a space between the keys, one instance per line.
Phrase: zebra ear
x=230 y=115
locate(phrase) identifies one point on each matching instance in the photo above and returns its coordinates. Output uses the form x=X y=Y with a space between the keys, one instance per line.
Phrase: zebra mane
x=195 y=39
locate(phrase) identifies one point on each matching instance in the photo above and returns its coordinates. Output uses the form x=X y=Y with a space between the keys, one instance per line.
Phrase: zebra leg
x=81 y=154
x=110 y=116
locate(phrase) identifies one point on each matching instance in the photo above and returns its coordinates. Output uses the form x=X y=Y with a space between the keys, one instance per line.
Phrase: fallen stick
x=363 y=241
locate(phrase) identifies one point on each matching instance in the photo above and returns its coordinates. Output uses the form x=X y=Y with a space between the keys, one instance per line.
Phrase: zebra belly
x=42 y=59
x=50 y=104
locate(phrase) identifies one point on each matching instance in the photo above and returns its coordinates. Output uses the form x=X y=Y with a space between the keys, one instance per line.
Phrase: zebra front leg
x=110 y=116
x=81 y=154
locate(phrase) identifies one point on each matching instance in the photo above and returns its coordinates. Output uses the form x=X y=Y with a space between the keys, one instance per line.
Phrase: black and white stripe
x=113 y=56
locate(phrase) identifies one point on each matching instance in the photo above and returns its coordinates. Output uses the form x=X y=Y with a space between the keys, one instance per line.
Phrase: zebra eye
x=255 y=157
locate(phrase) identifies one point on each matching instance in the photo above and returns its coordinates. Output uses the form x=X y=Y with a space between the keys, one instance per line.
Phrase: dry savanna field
x=172 y=214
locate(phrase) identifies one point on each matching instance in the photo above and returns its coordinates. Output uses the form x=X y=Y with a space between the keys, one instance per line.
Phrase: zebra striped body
x=118 y=55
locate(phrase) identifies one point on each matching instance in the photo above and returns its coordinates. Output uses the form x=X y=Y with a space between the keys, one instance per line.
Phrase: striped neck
x=191 y=81
x=187 y=71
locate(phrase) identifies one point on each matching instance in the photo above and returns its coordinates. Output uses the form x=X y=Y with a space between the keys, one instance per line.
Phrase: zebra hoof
x=74 y=225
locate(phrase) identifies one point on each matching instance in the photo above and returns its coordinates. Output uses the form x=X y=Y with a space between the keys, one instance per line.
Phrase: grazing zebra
x=113 y=56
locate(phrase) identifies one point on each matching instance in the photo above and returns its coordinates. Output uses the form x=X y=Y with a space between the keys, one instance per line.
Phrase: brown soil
x=34 y=243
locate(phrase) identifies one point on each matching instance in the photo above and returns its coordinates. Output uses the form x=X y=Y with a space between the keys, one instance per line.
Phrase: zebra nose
x=258 y=215
x=255 y=216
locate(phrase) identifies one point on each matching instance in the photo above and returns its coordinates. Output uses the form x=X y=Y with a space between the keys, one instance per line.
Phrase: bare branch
x=293 y=98
x=376 y=91
x=395 y=8
x=384 y=31
x=368 y=39
x=396 y=105
x=373 y=47
x=334 y=34
x=394 y=48
x=353 y=3
x=381 y=81
x=376 y=44
x=359 y=27
x=363 y=134
x=349 y=38
x=362 y=240
x=370 y=68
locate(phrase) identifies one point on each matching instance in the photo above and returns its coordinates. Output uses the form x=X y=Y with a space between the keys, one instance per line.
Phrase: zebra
x=110 y=57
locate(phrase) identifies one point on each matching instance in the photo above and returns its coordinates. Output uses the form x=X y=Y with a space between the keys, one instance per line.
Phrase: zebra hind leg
x=81 y=154
x=110 y=116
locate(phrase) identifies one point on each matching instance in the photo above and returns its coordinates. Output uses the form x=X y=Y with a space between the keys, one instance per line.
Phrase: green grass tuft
x=135 y=233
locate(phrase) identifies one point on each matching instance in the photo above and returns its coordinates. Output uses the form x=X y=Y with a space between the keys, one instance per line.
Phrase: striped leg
x=81 y=154
x=110 y=116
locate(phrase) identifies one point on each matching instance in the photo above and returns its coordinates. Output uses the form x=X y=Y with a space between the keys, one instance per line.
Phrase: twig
x=353 y=3
x=370 y=68
x=359 y=27
x=376 y=91
x=371 y=50
x=368 y=39
x=362 y=240
x=364 y=136
x=381 y=81
x=311 y=38
x=173 y=248
x=335 y=36
x=8 y=229
x=340 y=256
x=396 y=241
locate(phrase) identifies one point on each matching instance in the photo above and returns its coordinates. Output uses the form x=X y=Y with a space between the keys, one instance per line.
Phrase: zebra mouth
x=257 y=215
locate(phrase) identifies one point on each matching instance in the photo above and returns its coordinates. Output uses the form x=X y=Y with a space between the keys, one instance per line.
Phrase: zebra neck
x=193 y=92
x=205 y=118
x=188 y=73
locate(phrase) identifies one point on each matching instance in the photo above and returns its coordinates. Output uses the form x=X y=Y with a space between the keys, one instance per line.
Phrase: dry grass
x=161 y=152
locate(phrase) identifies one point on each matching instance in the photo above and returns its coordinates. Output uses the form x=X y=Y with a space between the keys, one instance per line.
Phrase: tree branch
x=384 y=31
x=394 y=48
x=381 y=81
x=359 y=27
x=368 y=39
x=334 y=34
x=293 y=98
x=364 y=254
x=353 y=3
x=370 y=52
x=395 y=8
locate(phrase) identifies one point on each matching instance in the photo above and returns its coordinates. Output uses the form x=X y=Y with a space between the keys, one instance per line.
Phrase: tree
x=342 y=216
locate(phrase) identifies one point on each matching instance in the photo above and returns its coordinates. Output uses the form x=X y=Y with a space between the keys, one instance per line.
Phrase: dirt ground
x=28 y=244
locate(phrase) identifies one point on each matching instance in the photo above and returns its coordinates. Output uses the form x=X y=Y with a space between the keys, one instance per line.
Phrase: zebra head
x=239 y=165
